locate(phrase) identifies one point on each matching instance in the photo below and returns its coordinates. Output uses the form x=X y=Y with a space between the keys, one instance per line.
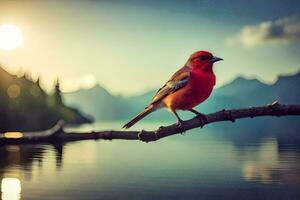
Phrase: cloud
x=283 y=30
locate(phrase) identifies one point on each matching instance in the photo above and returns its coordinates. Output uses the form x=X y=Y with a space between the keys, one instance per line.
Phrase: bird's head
x=202 y=60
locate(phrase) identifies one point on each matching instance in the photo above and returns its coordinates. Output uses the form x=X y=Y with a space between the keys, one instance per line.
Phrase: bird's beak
x=215 y=59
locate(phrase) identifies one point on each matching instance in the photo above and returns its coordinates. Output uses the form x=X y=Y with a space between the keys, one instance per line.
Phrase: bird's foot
x=178 y=124
x=202 y=118
x=160 y=128
x=158 y=131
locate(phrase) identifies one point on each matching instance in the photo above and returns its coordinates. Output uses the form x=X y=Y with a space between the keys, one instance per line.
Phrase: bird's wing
x=176 y=82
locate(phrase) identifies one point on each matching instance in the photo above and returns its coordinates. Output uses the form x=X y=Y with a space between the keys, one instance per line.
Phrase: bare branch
x=58 y=134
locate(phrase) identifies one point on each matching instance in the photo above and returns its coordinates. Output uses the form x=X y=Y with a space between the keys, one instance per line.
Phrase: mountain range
x=241 y=92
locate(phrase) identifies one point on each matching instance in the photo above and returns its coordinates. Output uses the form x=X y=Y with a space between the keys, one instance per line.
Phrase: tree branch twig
x=58 y=134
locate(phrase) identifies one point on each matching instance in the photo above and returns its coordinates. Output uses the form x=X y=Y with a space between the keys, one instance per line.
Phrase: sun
x=11 y=37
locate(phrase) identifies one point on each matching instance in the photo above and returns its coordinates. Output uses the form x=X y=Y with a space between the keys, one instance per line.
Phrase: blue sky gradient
x=132 y=46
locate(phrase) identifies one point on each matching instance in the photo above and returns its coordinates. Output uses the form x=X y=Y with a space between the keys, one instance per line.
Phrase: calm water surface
x=203 y=164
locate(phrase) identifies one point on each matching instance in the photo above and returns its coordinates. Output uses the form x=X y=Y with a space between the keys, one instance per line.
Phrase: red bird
x=187 y=88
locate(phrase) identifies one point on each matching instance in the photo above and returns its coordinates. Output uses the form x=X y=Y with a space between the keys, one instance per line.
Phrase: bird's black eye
x=202 y=57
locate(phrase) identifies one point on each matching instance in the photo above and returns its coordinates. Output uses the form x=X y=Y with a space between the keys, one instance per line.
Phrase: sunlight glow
x=88 y=81
x=10 y=189
x=13 y=91
x=13 y=135
x=11 y=37
x=84 y=82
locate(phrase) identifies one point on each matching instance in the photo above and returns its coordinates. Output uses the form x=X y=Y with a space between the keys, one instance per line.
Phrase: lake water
x=202 y=164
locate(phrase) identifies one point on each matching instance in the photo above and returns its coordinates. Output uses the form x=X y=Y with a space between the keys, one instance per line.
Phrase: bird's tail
x=140 y=116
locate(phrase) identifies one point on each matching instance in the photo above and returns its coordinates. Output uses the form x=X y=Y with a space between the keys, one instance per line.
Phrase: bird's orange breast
x=197 y=90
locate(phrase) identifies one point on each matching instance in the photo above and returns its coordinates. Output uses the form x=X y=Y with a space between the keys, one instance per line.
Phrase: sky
x=131 y=46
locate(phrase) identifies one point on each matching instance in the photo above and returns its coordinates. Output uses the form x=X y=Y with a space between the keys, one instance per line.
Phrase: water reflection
x=10 y=189
x=268 y=163
x=207 y=165
x=20 y=163
x=23 y=157
x=20 y=160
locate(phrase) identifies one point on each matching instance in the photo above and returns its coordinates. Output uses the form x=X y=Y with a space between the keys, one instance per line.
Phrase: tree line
x=25 y=106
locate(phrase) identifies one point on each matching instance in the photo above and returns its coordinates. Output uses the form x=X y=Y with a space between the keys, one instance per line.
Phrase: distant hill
x=98 y=102
x=25 y=106
x=241 y=92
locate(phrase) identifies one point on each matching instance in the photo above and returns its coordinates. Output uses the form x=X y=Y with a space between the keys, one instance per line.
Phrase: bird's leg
x=178 y=124
x=202 y=117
